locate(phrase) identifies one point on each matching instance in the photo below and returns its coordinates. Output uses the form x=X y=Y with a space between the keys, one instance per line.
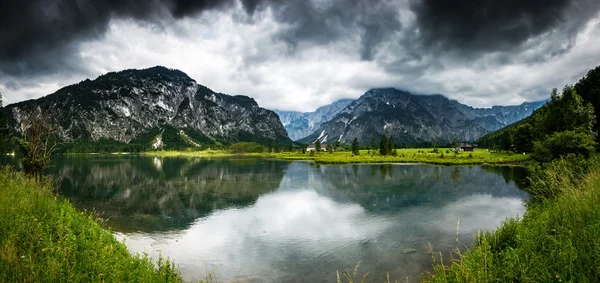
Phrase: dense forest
x=567 y=124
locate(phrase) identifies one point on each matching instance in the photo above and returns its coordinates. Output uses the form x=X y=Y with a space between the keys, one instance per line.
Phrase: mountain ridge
x=411 y=118
x=125 y=105
x=301 y=124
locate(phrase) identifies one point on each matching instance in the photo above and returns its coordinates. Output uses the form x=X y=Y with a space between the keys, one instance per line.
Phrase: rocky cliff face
x=410 y=118
x=139 y=104
x=301 y=124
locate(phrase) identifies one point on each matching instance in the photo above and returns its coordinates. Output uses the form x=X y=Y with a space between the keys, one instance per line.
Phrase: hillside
x=410 y=118
x=155 y=106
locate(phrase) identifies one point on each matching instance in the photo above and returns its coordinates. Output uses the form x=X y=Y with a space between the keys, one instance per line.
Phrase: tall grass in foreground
x=45 y=239
x=557 y=240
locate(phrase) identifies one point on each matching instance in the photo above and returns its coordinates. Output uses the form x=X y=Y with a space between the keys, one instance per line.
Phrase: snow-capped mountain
x=301 y=124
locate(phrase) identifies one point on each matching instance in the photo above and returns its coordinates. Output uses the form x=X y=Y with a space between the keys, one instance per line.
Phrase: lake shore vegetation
x=556 y=240
x=417 y=155
x=43 y=238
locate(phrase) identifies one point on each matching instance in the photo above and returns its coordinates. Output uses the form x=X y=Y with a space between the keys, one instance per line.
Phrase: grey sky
x=299 y=55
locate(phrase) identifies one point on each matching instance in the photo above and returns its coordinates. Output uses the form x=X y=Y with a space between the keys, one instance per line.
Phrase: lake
x=259 y=220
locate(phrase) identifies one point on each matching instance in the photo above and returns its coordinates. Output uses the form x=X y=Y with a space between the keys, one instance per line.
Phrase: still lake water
x=258 y=220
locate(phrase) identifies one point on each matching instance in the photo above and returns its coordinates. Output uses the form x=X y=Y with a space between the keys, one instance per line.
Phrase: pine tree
x=318 y=146
x=383 y=147
x=391 y=146
x=355 y=147
x=373 y=144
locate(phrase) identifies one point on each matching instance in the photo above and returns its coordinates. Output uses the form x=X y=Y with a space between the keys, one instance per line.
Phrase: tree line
x=567 y=124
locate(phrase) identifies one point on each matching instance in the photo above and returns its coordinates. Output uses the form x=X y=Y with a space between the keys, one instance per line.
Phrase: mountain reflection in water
x=259 y=220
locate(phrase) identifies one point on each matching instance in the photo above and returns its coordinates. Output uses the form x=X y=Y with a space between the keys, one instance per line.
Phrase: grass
x=203 y=153
x=479 y=156
x=44 y=239
x=557 y=240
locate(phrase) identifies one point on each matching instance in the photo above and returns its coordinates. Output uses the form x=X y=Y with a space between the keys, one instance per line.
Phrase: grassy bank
x=203 y=153
x=555 y=241
x=425 y=155
x=45 y=239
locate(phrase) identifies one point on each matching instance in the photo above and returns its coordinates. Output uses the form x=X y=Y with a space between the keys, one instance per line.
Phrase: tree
x=589 y=89
x=567 y=112
x=564 y=143
x=355 y=147
x=505 y=140
x=523 y=138
x=3 y=129
x=455 y=145
x=383 y=146
x=391 y=146
x=373 y=144
x=318 y=146
x=38 y=142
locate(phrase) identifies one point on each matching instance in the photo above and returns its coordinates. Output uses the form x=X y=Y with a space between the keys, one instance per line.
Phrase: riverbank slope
x=45 y=239
x=555 y=241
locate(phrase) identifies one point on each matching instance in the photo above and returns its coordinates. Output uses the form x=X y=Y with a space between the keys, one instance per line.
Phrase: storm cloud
x=303 y=54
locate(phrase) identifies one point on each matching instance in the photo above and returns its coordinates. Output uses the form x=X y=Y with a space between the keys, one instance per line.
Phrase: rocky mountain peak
x=410 y=118
x=124 y=106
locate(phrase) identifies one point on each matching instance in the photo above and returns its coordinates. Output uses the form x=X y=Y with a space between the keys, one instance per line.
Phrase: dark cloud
x=429 y=45
x=374 y=20
x=474 y=26
x=37 y=35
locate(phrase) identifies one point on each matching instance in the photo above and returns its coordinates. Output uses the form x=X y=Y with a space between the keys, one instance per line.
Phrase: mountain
x=301 y=124
x=410 y=118
x=157 y=106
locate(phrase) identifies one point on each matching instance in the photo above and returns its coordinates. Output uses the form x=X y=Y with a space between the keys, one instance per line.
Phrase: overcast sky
x=302 y=54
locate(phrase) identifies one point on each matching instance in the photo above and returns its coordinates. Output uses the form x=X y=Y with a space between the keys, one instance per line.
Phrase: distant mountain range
x=142 y=106
x=410 y=118
x=161 y=107
x=301 y=124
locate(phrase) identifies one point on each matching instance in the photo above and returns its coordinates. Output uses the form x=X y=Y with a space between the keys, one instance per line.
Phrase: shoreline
x=404 y=156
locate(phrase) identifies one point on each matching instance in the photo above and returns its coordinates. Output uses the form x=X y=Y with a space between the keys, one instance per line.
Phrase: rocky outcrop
x=132 y=104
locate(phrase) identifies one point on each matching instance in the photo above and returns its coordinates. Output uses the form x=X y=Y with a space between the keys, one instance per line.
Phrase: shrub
x=246 y=147
x=563 y=143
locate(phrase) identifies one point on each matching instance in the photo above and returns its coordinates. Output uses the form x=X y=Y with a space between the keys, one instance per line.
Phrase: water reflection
x=256 y=220
x=152 y=194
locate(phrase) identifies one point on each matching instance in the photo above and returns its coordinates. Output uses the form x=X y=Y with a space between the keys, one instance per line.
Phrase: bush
x=563 y=143
x=246 y=147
